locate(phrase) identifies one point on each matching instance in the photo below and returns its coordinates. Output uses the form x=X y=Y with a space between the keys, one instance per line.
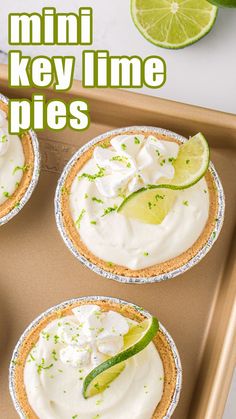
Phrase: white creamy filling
x=120 y=171
x=12 y=160
x=54 y=381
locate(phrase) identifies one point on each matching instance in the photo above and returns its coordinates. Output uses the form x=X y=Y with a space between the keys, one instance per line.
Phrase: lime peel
x=138 y=337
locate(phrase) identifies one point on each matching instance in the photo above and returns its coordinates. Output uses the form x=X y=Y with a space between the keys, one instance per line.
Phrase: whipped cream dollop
x=134 y=162
x=97 y=335
x=128 y=164
x=12 y=160
x=69 y=348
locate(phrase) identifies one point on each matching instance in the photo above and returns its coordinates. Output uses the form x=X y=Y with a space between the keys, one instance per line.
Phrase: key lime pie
x=19 y=167
x=95 y=357
x=140 y=204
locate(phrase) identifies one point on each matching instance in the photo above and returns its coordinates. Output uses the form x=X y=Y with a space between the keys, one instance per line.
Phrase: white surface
x=203 y=74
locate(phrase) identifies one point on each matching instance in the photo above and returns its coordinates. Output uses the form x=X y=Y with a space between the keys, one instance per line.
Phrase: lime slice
x=148 y=205
x=191 y=163
x=138 y=337
x=173 y=24
x=152 y=204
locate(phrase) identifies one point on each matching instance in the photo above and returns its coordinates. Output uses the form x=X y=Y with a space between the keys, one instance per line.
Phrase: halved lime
x=173 y=24
x=148 y=205
x=138 y=337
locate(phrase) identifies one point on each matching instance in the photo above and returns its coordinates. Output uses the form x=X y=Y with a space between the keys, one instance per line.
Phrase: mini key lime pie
x=19 y=167
x=140 y=204
x=95 y=357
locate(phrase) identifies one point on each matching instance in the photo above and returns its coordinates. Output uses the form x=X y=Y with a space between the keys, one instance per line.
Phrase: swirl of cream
x=133 y=162
x=92 y=336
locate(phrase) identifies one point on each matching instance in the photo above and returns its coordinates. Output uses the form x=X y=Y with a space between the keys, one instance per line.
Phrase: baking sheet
x=198 y=308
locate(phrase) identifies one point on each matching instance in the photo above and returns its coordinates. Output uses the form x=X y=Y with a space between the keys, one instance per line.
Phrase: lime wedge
x=173 y=24
x=191 y=163
x=148 y=205
x=138 y=337
x=151 y=204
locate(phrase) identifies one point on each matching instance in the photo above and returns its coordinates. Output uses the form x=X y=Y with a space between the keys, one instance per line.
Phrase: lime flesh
x=149 y=205
x=192 y=162
x=173 y=24
x=138 y=337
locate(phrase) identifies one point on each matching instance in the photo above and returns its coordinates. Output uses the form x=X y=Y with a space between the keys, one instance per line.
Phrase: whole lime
x=223 y=3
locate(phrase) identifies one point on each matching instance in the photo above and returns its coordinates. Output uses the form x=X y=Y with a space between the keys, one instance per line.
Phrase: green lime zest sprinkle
x=17 y=204
x=145 y=254
x=93 y=222
x=136 y=140
x=185 y=203
x=6 y=194
x=123 y=146
x=158 y=153
x=104 y=145
x=163 y=162
x=32 y=357
x=56 y=339
x=110 y=264
x=108 y=210
x=74 y=417
x=4 y=138
x=65 y=190
x=79 y=219
x=42 y=366
x=16 y=362
x=171 y=159
x=158 y=196
x=91 y=178
x=122 y=159
x=45 y=335
x=86 y=196
x=99 y=201
x=23 y=168
x=187 y=161
x=54 y=355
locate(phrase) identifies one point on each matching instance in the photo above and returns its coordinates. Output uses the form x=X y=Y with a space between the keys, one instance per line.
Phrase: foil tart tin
x=94 y=299
x=126 y=279
x=35 y=174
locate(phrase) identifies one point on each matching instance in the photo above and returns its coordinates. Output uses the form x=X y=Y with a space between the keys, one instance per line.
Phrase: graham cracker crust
x=151 y=271
x=16 y=197
x=160 y=341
